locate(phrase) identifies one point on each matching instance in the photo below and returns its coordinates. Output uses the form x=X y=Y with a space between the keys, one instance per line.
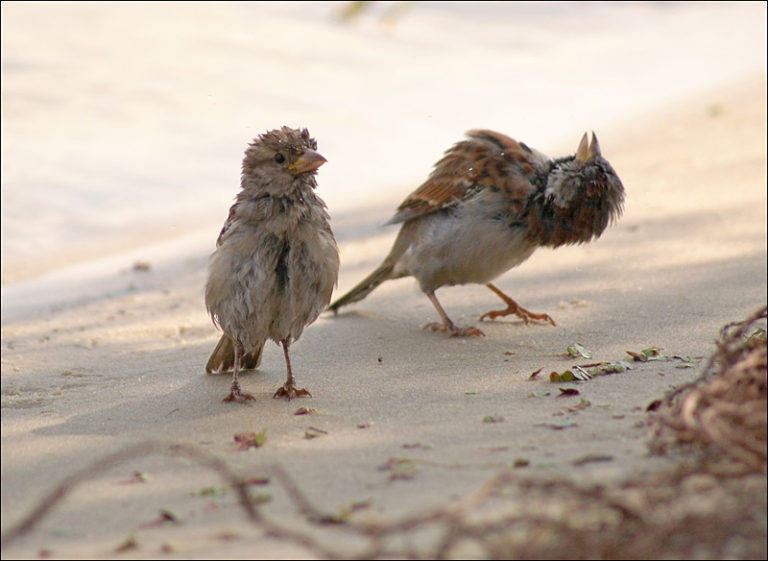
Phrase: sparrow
x=276 y=260
x=489 y=203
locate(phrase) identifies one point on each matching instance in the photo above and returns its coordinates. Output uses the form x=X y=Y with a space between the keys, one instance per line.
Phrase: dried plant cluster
x=723 y=413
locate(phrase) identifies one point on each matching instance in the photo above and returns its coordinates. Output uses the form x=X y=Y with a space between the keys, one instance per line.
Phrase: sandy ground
x=689 y=256
x=83 y=377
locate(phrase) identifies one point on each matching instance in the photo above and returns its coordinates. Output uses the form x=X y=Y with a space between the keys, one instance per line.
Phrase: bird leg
x=447 y=324
x=514 y=308
x=289 y=389
x=235 y=393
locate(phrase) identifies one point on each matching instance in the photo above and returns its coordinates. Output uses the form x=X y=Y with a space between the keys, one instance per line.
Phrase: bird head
x=582 y=196
x=278 y=157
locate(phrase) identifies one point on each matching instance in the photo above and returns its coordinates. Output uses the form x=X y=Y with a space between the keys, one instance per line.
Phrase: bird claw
x=239 y=396
x=520 y=312
x=290 y=391
x=513 y=308
x=455 y=331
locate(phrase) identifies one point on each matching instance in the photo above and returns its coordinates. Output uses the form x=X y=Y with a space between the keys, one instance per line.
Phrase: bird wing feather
x=486 y=159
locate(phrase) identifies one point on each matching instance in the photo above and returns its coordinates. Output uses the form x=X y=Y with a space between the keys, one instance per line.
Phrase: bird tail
x=223 y=357
x=384 y=271
x=366 y=286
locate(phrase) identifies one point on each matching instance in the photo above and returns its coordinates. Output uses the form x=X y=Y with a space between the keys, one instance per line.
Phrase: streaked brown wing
x=228 y=226
x=487 y=159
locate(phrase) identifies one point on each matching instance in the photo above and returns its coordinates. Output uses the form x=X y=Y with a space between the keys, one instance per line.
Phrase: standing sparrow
x=488 y=204
x=276 y=260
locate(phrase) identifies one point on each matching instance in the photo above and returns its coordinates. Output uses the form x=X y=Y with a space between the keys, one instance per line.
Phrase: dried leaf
x=165 y=517
x=577 y=350
x=651 y=353
x=758 y=334
x=130 y=543
x=400 y=468
x=257 y=481
x=259 y=498
x=168 y=516
x=580 y=374
x=139 y=477
x=592 y=458
x=558 y=426
x=686 y=362
x=250 y=440
x=226 y=535
x=344 y=513
x=565 y=392
x=305 y=411
x=352 y=10
x=615 y=367
x=534 y=374
x=313 y=432
x=654 y=353
x=521 y=463
x=209 y=492
x=577 y=373
x=654 y=405
x=417 y=445
x=556 y=377
x=582 y=404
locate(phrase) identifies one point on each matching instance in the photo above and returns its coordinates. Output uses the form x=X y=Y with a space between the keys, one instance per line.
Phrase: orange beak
x=587 y=150
x=308 y=161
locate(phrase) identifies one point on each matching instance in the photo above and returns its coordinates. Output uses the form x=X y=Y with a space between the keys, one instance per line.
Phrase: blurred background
x=124 y=124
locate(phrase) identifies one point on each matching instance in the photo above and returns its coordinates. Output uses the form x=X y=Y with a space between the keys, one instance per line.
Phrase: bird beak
x=587 y=150
x=308 y=161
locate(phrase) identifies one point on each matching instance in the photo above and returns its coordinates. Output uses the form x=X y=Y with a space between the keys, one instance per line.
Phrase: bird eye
x=279 y=158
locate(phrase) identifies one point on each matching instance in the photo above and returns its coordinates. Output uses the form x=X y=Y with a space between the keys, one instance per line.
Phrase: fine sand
x=89 y=379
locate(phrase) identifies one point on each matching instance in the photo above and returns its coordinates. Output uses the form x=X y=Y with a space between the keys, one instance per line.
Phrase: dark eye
x=279 y=158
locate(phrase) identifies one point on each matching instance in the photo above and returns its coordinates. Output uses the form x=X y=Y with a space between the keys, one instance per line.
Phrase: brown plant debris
x=655 y=516
x=246 y=440
x=722 y=414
